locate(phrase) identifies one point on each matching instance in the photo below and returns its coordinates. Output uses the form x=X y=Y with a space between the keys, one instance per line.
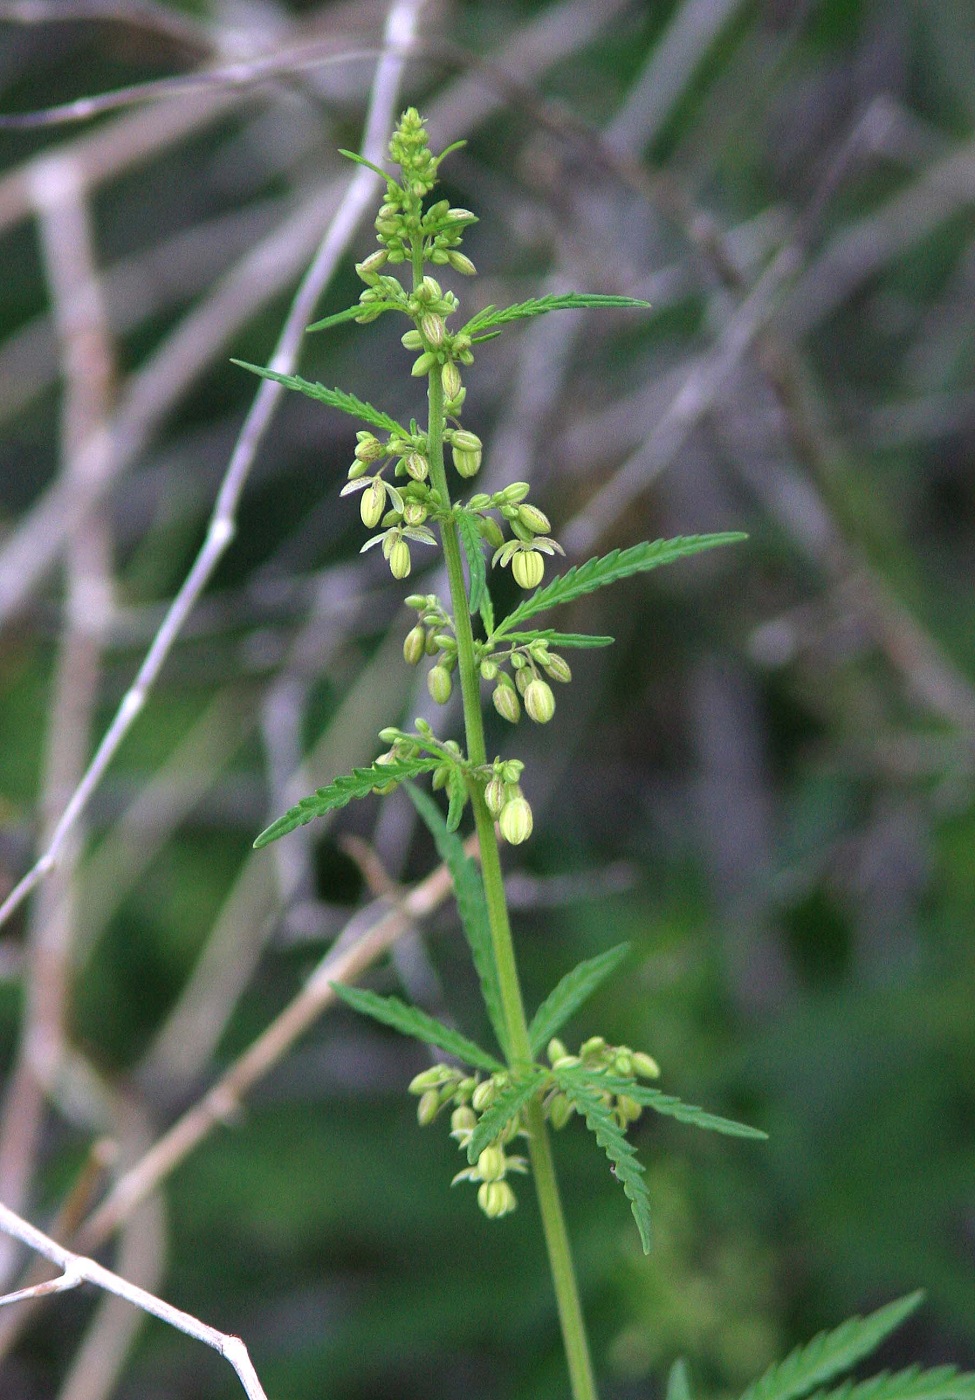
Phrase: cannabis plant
x=501 y=1097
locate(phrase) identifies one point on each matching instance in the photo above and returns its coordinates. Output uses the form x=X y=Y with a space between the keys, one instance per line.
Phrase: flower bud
x=415 y=645
x=627 y=1109
x=429 y=290
x=428 y=1107
x=496 y=1199
x=514 y=494
x=527 y=568
x=534 y=519
x=484 y=1095
x=466 y=464
x=423 y=365
x=439 y=684
x=593 y=1047
x=358 y=469
x=491 y=1164
x=494 y=796
x=489 y=669
x=463 y=1120
x=399 y=559
x=417 y=601
x=372 y=504
x=516 y=821
x=479 y=501
x=558 y=668
x=555 y=1050
x=451 y=380
x=645 y=1065
x=623 y=1062
x=417 y=466
x=368 y=448
x=490 y=530
x=412 y=340
x=523 y=678
x=373 y=264
x=460 y=263
x=539 y=702
x=432 y=329
x=431 y=1078
x=414 y=512
x=560 y=1110
x=506 y=703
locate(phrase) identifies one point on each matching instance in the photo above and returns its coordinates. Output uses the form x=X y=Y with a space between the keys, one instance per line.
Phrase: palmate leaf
x=470 y=537
x=570 y=992
x=359 y=783
x=410 y=1020
x=621 y=563
x=538 y=306
x=565 y=640
x=510 y=1100
x=937 y=1383
x=371 y=309
x=471 y=906
x=672 y=1107
x=334 y=398
x=612 y=1140
x=830 y=1354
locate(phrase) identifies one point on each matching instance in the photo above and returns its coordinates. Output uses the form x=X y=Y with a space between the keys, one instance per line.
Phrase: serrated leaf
x=473 y=543
x=560 y=639
x=678 y=1381
x=539 y=306
x=570 y=992
x=620 y=564
x=410 y=1020
x=376 y=169
x=936 y=1383
x=349 y=314
x=510 y=1100
x=471 y=906
x=457 y=798
x=612 y=1140
x=672 y=1107
x=359 y=783
x=487 y=612
x=830 y=1354
x=334 y=398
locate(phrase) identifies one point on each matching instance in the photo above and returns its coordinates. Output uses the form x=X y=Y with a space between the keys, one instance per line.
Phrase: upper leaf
x=370 y=309
x=551 y=638
x=335 y=398
x=613 y=1141
x=830 y=1354
x=359 y=783
x=938 y=1383
x=473 y=544
x=570 y=992
x=410 y=1020
x=672 y=1107
x=471 y=905
x=510 y=1100
x=538 y=306
x=597 y=573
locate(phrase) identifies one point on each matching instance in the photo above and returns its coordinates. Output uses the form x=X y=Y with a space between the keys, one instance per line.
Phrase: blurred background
x=766 y=785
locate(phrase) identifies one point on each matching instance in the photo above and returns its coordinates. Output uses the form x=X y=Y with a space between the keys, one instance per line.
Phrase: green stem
x=519 y=1048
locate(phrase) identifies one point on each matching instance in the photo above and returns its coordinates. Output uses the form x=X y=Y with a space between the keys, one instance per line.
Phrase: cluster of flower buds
x=528 y=525
x=507 y=803
x=596 y=1055
x=401 y=511
x=525 y=681
x=469 y=1096
x=430 y=306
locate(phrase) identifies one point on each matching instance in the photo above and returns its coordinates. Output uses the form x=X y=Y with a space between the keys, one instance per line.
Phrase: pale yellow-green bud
x=417 y=466
x=460 y=263
x=428 y=1107
x=432 y=329
x=439 y=684
x=415 y=645
x=494 y=796
x=516 y=821
x=560 y=1110
x=368 y=448
x=440 y=776
x=358 y=469
x=645 y=1065
x=491 y=1165
x=506 y=703
x=593 y=1047
x=372 y=503
x=490 y=530
x=527 y=568
x=484 y=1095
x=429 y=290
x=463 y=1120
x=466 y=464
x=558 y=668
x=628 y=1109
x=414 y=512
x=489 y=669
x=431 y=1078
x=373 y=264
x=555 y=1050
x=423 y=365
x=496 y=1199
x=623 y=1062
x=451 y=380
x=412 y=340
x=515 y=493
x=533 y=519
x=399 y=559
x=523 y=678
x=468 y=442
x=566 y=1062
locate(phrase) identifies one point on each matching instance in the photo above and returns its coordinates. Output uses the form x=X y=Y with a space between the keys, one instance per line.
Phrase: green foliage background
x=766 y=785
